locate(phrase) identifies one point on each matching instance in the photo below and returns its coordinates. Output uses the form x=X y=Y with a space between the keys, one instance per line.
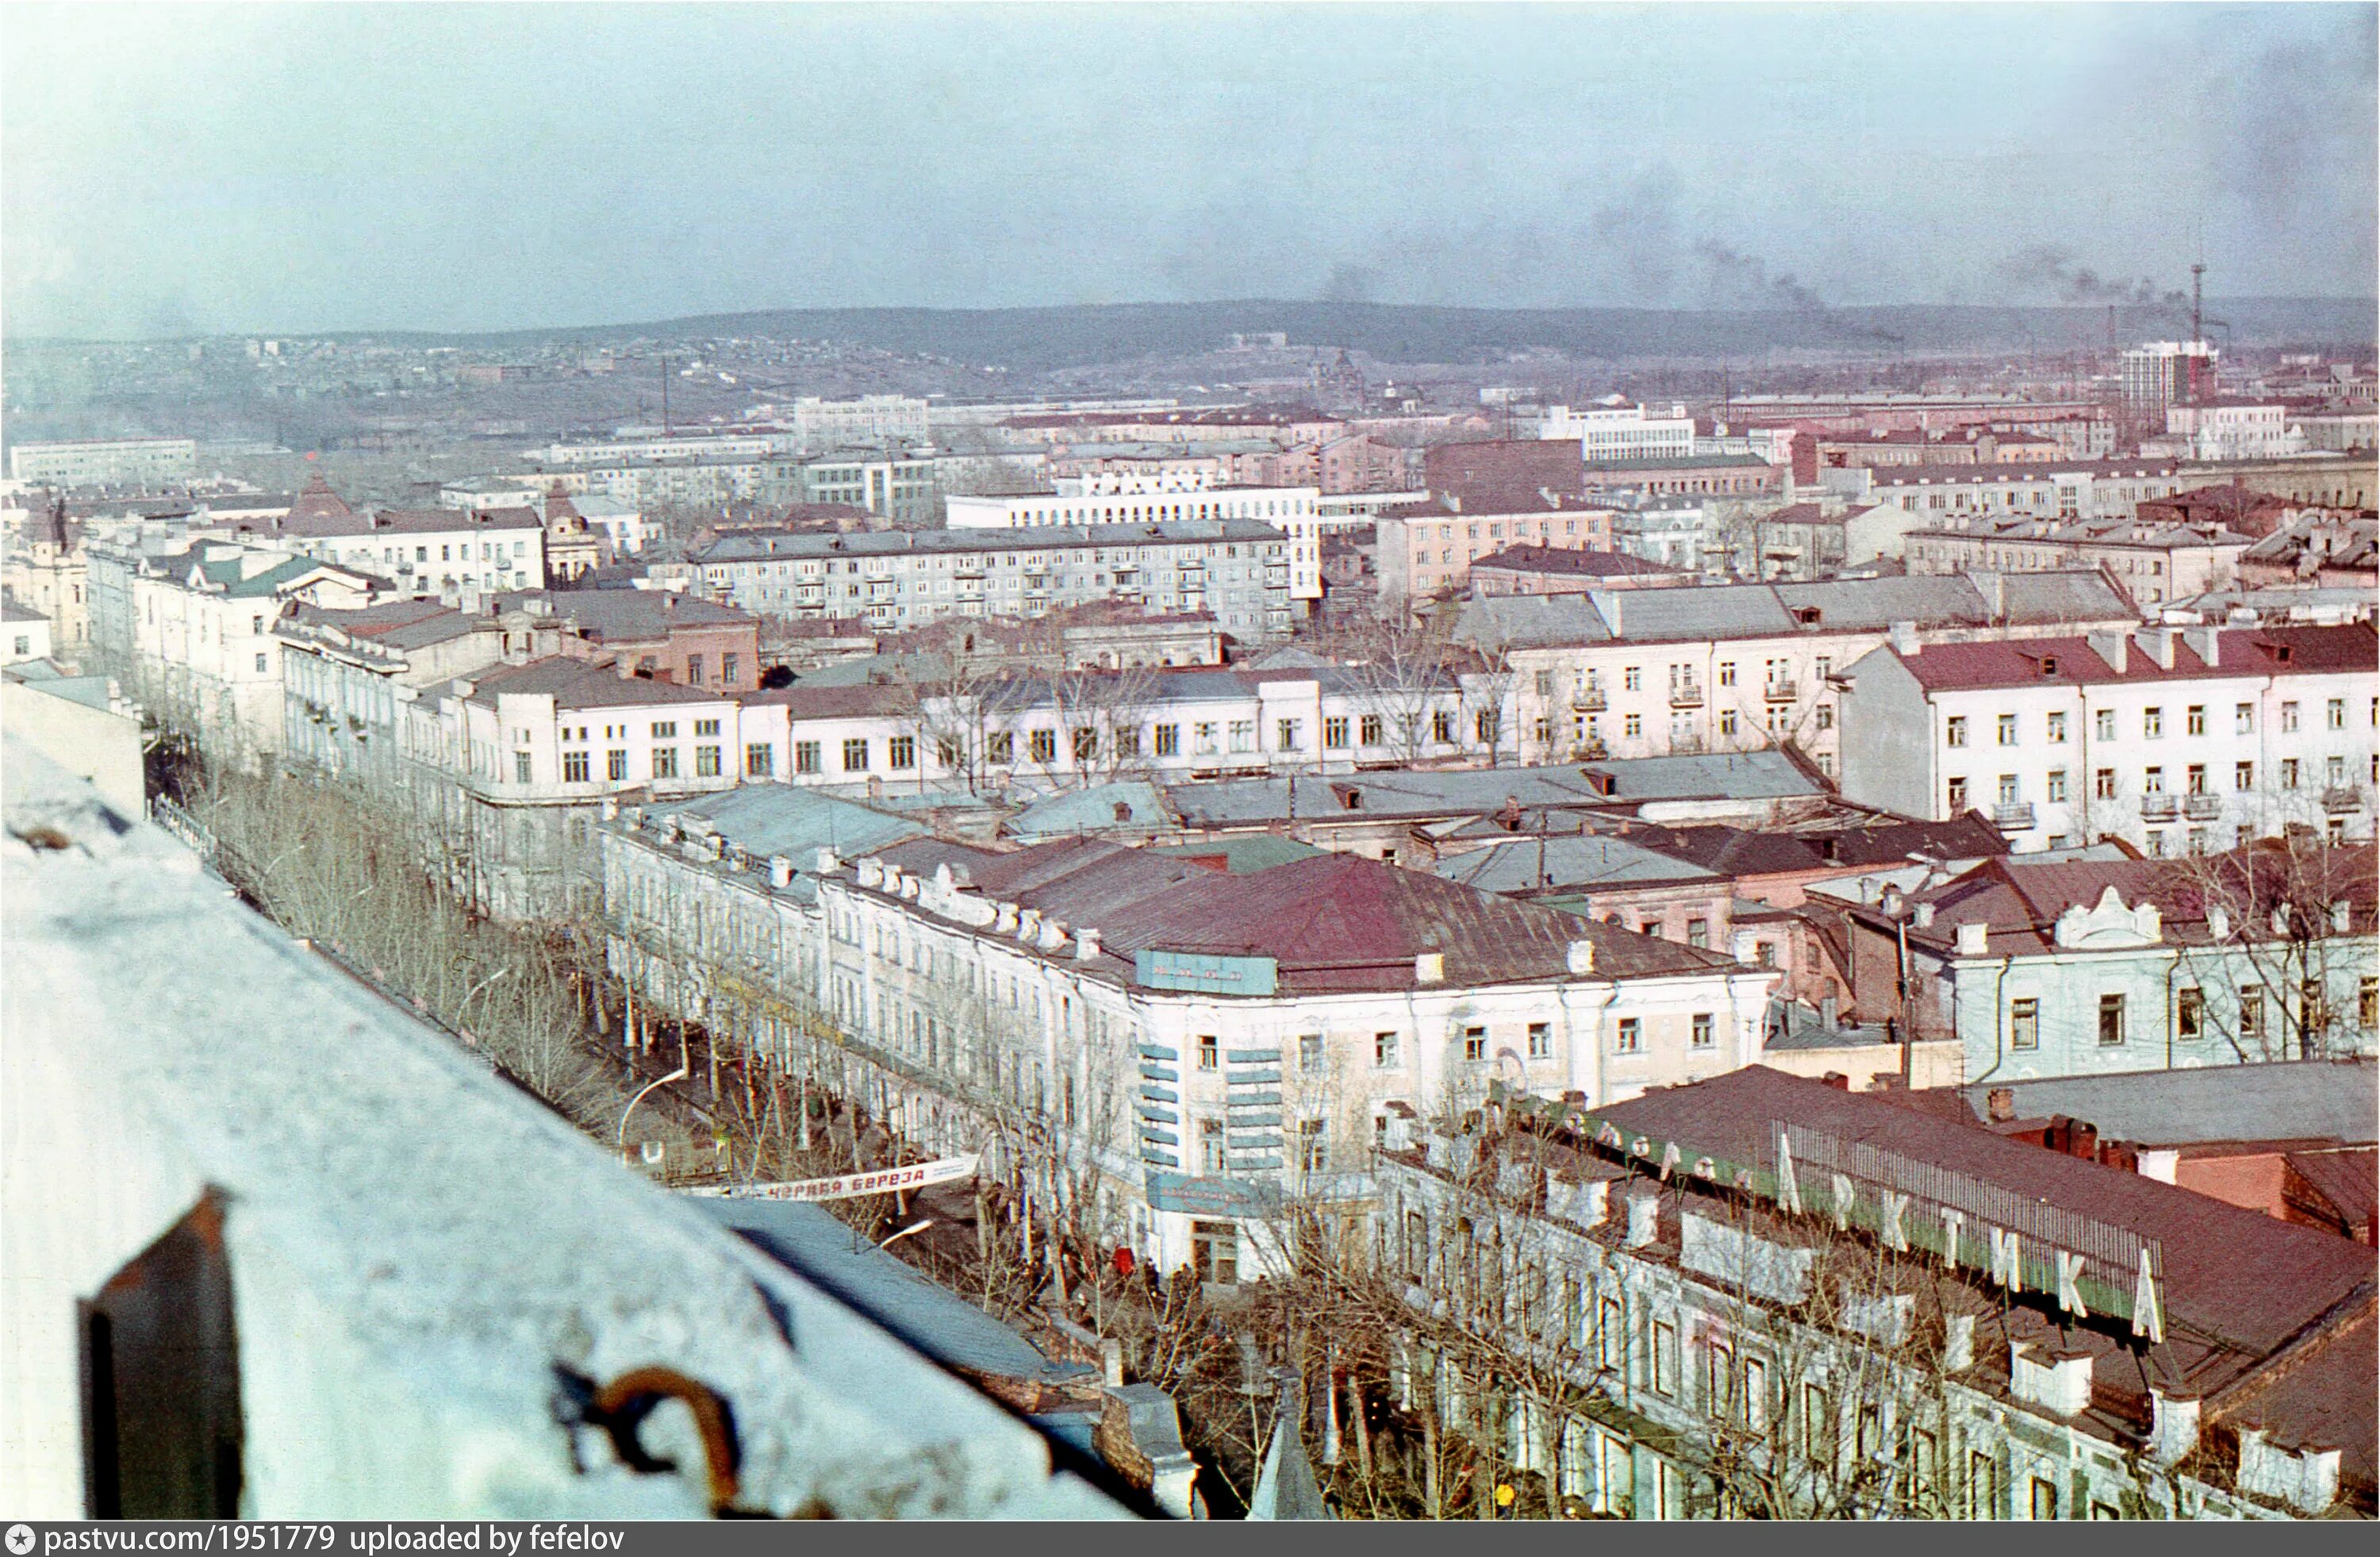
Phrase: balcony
x=2199 y=806
x=1589 y=699
x=2014 y=817
x=1685 y=694
x=2341 y=798
x=2160 y=808
x=1782 y=691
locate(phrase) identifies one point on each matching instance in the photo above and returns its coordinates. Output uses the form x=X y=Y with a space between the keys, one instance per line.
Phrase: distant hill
x=1079 y=335
x=1036 y=339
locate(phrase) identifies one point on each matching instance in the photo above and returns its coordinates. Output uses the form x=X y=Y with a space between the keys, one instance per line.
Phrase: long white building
x=1621 y=432
x=106 y=462
x=1191 y=1043
x=1112 y=497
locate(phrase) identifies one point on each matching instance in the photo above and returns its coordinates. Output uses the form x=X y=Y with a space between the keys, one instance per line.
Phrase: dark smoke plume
x=1740 y=280
x=1350 y=283
x=2045 y=270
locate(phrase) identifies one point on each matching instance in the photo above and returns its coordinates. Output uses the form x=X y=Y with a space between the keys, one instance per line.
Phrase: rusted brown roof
x=2230 y=1274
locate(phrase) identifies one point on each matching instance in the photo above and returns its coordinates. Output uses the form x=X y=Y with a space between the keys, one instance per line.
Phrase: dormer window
x=2049 y=664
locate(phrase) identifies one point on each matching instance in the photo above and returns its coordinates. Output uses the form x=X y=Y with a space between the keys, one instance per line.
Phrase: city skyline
x=200 y=169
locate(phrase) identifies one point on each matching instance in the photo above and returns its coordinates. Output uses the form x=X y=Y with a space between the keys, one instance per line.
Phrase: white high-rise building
x=2163 y=372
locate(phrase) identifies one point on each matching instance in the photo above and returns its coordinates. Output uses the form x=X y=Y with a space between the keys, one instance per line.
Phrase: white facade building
x=1094 y=727
x=106 y=462
x=195 y=629
x=2234 y=430
x=24 y=635
x=1189 y=1041
x=2176 y=740
x=874 y=421
x=1112 y=497
x=1621 y=432
x=1745 y=667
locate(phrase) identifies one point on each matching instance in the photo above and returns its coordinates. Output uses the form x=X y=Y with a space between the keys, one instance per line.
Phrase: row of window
x=1208 y=738
x=2191 y=1019
x=2244 y=716
x=2290 y=773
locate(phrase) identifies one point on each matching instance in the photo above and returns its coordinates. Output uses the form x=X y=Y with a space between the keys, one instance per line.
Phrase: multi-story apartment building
x=1759 y=1296
x=1238 y=570
x=1696 y=475
x=898 y=486
x=1653 y=673
x=1427 y=549
x=106 y=462
x=2155 y=563
x=873 y=420
x=754 y=443
x=193 y=631
x=455 y=554
x=1188 y=1039
x=1673 y=530
x=1608 y=431
x=1930 y=494
x=1112 y=497
x=1085 y=727
x=2174 y=739
x=2039 y=968
x=2234 y=428
x=2159 y=373
x=515 y=762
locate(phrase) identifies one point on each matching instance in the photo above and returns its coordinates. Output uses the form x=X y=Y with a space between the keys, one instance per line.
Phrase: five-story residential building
x=2173 y=739
x=1238 y=570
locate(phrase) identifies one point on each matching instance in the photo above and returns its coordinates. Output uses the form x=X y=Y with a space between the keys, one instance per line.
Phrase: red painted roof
x=1330 y=922
x=2072 y=661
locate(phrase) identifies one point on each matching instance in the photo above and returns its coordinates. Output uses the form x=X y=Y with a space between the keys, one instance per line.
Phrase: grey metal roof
x=1694 y=613
x=1592 y=861
x=772 y=818
x=1092 y=809
x=2287 y=1099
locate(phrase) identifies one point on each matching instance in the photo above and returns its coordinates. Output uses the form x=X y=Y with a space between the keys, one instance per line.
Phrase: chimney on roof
x=1643 y=1219
x=1607 y=605
x=1974 y=939
x=1923 y=916
x=1580 y=958
x=2157 y=644
x=1904 y=639
x=1429 y=967
x=1087 y=945
x=1999 y=1104
x=2207 y=643
x=780 y=871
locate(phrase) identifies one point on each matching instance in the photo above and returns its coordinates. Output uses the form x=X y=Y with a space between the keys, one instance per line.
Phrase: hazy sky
x=188 y=168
